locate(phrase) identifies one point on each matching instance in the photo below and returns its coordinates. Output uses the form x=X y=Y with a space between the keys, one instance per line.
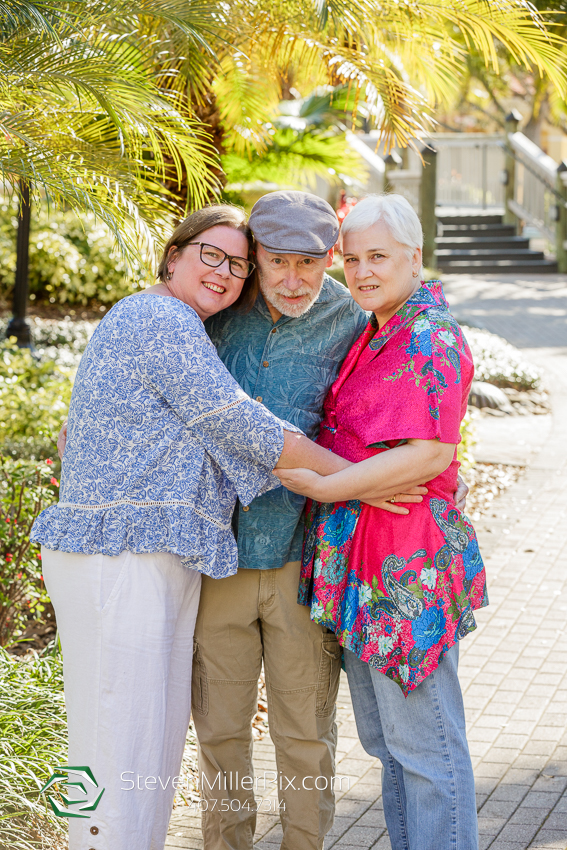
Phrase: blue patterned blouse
x=161 y=441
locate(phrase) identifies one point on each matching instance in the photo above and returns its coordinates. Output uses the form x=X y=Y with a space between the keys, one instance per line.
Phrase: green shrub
x=499 y=363
x=465 y=450
x=57 y=338
x=33 y=740
x=25 y=489
x=71 y=260
x=34 y=399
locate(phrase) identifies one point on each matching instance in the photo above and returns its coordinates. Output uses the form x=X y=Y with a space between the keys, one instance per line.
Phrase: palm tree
x=399 y=59
x=100 y=104
x=86 y=124
x=84 y=121
x=124 y=108
x=542 y=100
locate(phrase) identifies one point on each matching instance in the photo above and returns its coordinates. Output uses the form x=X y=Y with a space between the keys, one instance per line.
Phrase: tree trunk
x=18 y=326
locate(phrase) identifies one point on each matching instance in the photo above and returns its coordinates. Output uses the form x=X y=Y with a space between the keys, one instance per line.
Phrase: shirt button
x=265 y=363
x=274 y=330
x=258 y=398
x=94 y=830
x=245 y=508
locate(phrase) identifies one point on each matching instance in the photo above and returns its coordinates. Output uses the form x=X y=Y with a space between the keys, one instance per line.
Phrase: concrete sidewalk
x=514 y=667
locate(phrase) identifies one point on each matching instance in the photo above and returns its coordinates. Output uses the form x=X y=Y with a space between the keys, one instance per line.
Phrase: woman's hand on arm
x=303 y=465
x=413 y=495
x=377 y=478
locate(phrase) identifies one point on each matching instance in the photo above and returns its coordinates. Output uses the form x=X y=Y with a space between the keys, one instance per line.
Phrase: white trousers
x=126 y=625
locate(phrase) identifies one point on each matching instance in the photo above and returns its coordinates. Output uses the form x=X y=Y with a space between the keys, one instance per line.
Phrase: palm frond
x=43 y=16
x=85 y=124
x=247 y=98
x=296 y=159
x=401 y=58
x=99 y=101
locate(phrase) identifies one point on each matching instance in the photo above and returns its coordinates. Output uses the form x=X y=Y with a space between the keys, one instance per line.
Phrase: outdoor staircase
x=482 y=244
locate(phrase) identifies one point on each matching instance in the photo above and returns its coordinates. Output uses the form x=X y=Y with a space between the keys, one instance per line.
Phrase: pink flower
x=49 y=462
x=55 y=482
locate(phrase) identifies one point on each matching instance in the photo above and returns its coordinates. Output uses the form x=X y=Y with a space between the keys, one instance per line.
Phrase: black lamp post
x=18 y=326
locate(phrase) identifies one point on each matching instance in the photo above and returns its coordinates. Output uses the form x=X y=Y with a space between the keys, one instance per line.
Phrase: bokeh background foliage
x=72 y=261
x=131 y=113
x=26 y=488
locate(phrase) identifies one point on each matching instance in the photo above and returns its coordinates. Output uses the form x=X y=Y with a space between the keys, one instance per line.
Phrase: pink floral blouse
x=398 y=591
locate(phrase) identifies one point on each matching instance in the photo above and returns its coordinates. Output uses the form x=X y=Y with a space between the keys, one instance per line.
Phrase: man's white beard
x=293 y=311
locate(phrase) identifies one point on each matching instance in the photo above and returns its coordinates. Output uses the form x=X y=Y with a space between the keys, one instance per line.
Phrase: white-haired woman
x=399 y=591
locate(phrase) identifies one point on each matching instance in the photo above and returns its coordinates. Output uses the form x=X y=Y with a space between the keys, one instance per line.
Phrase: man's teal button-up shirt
x=288 y=366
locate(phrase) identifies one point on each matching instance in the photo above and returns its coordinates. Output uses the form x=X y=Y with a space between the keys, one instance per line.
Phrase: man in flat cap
x=286 y=352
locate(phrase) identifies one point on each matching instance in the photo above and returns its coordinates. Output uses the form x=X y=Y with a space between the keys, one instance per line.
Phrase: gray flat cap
x=294 y=223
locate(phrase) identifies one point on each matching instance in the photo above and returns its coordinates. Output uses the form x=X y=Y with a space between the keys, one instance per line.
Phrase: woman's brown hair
x=197 y=223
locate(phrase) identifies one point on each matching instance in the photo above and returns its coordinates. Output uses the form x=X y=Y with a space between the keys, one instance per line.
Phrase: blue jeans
x=427 y=776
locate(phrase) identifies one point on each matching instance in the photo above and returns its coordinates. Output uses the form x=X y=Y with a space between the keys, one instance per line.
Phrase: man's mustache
x=296 y=294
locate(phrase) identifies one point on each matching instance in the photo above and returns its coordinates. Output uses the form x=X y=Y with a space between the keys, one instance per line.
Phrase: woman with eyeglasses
x=161 y=441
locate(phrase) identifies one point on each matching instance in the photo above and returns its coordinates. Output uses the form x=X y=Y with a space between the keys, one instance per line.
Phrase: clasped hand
x=309 y=483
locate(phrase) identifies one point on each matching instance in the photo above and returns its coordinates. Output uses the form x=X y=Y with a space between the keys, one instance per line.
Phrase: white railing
x=505 y=172
x=469 y=170
x=535 y=196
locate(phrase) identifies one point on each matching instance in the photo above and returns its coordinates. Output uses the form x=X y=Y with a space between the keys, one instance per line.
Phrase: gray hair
x=396 y=213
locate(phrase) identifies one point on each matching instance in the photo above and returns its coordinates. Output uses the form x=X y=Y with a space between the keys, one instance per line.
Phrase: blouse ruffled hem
x=201 y=543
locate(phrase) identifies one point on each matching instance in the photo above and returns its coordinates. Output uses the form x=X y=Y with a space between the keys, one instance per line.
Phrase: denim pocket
x=199 y=683
x=329 y=675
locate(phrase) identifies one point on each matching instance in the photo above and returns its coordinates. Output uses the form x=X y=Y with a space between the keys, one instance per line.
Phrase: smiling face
x=380 y=272
x=290 y=283
x=207 y=290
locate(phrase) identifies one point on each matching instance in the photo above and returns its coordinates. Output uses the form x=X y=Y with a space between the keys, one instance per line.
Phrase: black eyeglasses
x=215 y=257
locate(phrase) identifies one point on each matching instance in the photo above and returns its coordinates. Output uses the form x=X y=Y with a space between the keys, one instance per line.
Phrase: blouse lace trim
x=215 y=412
x=173 y=502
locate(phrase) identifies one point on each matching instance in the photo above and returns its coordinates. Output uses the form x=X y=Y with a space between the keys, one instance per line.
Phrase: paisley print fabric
x=290 y=364
x=398 y=591
x=161 y=441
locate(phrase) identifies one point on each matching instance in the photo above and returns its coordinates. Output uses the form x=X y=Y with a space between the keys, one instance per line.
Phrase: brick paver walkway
x=514 y=667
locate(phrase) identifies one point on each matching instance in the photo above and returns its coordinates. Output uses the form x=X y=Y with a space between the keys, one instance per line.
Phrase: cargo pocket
x=329 y=674
x=199 y=685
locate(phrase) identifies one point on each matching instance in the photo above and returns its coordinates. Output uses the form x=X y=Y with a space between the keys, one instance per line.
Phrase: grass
x=33 y=740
